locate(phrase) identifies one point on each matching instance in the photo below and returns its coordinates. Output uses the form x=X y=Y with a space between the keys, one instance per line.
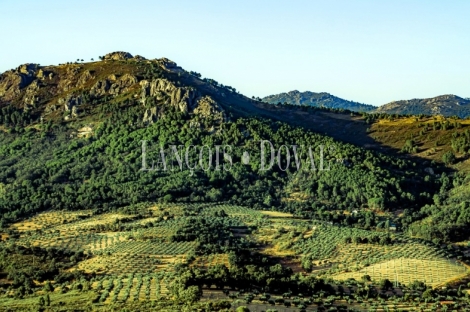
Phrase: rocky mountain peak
x=118 y=56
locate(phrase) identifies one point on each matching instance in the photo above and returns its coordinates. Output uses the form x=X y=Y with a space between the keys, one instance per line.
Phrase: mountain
x=315 y=99
x=75 y=122
x=133 y=184
x=445 y=105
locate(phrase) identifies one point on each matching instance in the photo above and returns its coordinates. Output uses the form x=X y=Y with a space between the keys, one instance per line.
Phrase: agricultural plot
x=406 y=271
x=118 y=264
x=89 y=242
x=151 y=248
x=323 y=243
x=337 y=244
x=133 y=287
x=343 y=253
x=91 y=223
x=49 y=219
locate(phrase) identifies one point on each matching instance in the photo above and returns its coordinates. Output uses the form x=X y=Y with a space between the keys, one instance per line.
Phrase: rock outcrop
x=150 y=115
x=11 y=82
x=113 y=85
x=118 y=56
x=122 y=84
x=100 y=88
x=70 y=104
x=31 y=94
x=165 y=91
x=51 y=91
x=85 y=77
x=185 y=99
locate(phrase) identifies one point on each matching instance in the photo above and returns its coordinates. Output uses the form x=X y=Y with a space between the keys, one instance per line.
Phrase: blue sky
x=368 y=51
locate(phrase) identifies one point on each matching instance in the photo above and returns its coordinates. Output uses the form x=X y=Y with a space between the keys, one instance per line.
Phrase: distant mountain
x=321 y=99
x=446 y=105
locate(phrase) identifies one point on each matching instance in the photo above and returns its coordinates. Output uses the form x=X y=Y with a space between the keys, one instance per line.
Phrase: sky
x=372 y=51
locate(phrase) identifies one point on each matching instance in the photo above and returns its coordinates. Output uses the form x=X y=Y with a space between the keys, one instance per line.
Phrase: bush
x=448 y=158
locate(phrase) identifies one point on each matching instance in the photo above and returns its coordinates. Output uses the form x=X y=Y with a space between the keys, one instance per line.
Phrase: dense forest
x=44 y=167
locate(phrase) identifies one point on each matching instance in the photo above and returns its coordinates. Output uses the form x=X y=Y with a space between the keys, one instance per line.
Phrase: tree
x=385 y=284
x=242 y=309
x=448 y=158
x=42 y=302
x=48 y=287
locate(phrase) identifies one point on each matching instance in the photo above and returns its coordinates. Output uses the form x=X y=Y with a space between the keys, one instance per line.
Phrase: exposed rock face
x=118 y=56
x=150 y=115
x=186 y=100
x=169 y=65
x=100 y=88
x=70 y=104
x=113 y=85
x=11 y=82
x=84 y=78
x=53 y=90
x=30 y=97
x=182 y=98
x=68 y=80
x=122 y=84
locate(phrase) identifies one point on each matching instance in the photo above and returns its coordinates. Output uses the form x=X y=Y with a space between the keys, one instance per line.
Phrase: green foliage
x=448 y=158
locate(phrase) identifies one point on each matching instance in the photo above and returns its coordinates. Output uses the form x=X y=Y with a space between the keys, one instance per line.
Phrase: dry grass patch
x=49 y=219
x=277 y=214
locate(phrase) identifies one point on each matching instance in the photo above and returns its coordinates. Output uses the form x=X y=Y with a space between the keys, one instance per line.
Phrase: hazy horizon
x=365 y=51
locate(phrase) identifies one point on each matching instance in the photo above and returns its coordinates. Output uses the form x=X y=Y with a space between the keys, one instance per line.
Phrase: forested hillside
x=86 y=153
x=317 y=99
x=89 y=199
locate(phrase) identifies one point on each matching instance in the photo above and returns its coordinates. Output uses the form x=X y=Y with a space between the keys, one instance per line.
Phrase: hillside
x=134 y=184
x=314 y=99
x=445 y=105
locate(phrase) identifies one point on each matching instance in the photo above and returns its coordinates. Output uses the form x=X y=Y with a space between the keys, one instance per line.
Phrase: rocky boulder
x=118 y=56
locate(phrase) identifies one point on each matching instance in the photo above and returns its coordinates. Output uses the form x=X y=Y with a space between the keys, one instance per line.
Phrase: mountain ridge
x=317 y=99
x=446 y=105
